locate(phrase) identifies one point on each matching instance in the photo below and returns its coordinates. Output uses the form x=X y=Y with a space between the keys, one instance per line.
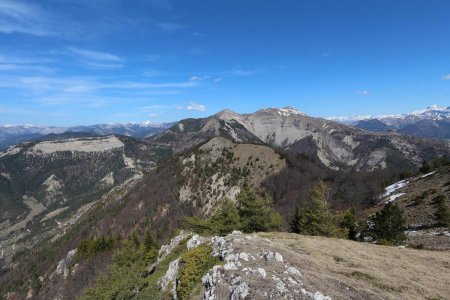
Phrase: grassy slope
x=345 y=269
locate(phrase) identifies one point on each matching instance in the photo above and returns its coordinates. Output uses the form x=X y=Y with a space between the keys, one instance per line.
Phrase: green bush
x=94 y=246
x=194 y=263
x=125 y=278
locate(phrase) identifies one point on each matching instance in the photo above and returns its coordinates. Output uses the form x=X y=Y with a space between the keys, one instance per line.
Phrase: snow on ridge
x=434 y=111
x=79 y=145
x=350 y=119
x=285 y=111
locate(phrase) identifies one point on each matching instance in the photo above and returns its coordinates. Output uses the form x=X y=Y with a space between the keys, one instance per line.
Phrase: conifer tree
x=226 y=219
x=149 y=242
x=389 y=225
x=442 y=213
x=295 y=225
x=256 y=212
x=318 y=218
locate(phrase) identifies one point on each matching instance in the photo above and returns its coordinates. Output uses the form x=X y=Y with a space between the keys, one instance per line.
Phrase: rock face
x=254 y=274
x=63 y=267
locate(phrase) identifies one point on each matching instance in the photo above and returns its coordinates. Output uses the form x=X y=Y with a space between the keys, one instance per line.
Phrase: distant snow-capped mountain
x=433 y=121
x=434 y=112
x=13 y=134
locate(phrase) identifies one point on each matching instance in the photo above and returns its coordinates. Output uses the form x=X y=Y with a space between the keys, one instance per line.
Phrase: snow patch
x=389 y=190
x=428 y=174
x=394 y=197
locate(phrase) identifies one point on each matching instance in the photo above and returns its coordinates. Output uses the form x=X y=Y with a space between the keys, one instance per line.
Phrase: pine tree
x=226 y=219
x=442 y=213
x=256 y=212
x=295 y=225
x=389 y=225
x=349 y=222
x=426 y=167
x=318 y=218
x=149 y=242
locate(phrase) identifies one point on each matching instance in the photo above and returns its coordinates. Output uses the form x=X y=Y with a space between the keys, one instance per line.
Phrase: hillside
x=417 y=196
x=45 y=184
x=289 y=266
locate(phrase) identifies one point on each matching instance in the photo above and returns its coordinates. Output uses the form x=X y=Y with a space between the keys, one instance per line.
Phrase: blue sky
x=70 y=62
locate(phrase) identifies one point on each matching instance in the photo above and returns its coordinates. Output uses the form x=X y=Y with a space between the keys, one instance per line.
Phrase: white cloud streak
x=193 y=107
x=445 y=77
x=362 y=92
x=96 y=55
x=20 y=17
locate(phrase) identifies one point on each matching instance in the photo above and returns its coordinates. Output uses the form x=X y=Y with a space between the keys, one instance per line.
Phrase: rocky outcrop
x=65 y=265
x=252 y=272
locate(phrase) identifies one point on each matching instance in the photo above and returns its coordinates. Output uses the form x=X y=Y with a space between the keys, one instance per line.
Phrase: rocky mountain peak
x=227 y=114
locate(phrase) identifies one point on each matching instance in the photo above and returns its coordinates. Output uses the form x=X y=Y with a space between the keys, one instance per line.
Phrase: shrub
x=194 y=263
x=94 y=246
x=125 y=277
x=426 y=167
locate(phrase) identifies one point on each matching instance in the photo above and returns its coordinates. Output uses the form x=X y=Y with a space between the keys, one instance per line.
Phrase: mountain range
x=13 y=134
x=66 y=187
x=433 y=122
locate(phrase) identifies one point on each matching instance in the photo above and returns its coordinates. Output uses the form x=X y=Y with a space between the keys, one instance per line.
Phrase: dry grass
x=345 y=269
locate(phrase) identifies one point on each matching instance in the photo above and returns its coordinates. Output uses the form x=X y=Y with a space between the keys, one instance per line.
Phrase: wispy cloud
x=362 y=92
x=193 y=106
x=91 y=101
x=97 y=59
x=241 y=72
x=200 y=78
x=25 y=67
x=96 y=55
x=170 y=27
x=19 y=64
x=445 y=77
x=92 y=92
x=20 y=17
